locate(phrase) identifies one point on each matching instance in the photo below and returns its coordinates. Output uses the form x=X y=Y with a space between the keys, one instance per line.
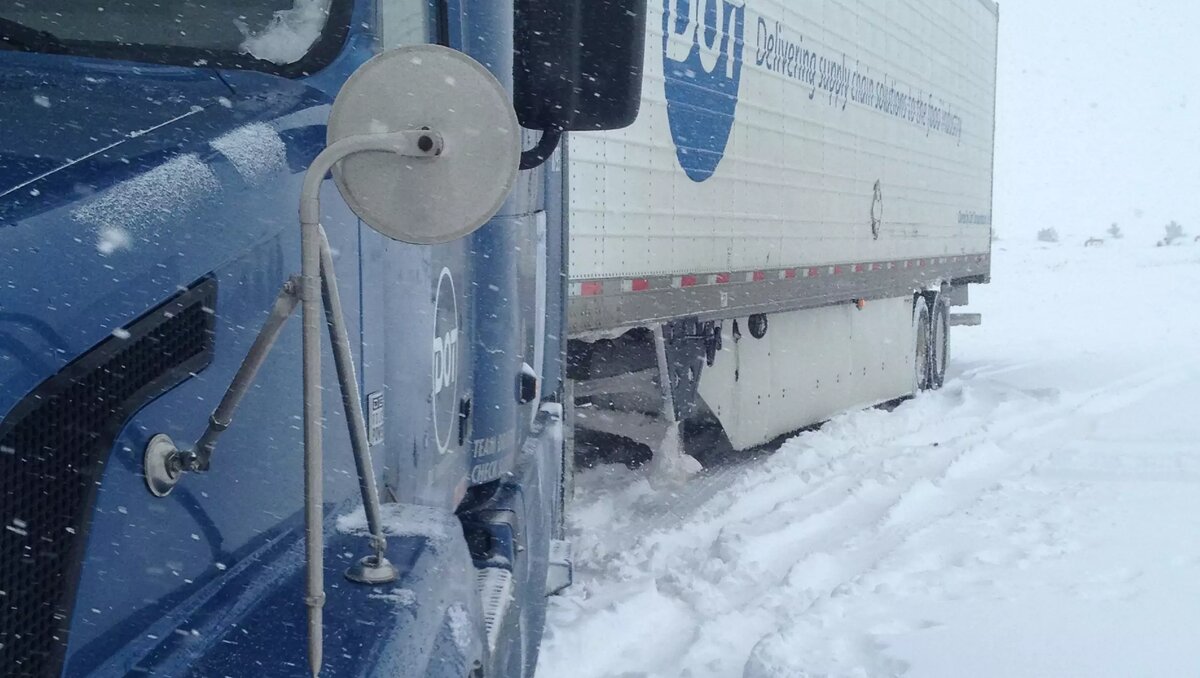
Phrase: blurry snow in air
x=42 y=100
x=121 y=333
x=255 y=150
x=113 y=238
x=290 y=34
x=401 y=520
x=143 y=203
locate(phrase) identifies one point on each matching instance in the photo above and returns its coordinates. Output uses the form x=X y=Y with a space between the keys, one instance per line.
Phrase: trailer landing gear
x=636 y=397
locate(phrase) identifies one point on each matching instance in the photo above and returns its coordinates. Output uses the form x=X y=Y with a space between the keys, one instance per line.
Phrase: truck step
x=495 y=587
x=966 y=319
x=562 y=571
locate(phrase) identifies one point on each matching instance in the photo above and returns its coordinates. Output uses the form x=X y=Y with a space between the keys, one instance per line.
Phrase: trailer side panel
x=789 y=157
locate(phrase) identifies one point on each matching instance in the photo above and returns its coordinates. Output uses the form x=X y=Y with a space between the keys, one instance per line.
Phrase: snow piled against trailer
x=1040 y=516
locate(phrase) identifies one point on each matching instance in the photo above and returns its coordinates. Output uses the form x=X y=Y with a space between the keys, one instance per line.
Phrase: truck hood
x=116 y=193
x=65 y=116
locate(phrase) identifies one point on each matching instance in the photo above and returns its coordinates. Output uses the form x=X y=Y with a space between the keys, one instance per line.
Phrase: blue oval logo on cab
x=702 y=65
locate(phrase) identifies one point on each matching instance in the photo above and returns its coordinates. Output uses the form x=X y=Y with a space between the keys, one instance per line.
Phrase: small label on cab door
x=375 y=418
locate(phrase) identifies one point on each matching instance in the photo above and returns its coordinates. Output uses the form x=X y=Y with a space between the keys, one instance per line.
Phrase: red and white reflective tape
x=596 y=288
x=591 y=288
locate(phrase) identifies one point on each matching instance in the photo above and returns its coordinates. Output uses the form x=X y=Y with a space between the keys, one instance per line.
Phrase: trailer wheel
x=922 y=345
x=939 y=338
x=758 y=325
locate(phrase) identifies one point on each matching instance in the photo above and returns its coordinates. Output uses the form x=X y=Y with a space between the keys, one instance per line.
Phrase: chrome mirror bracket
x=373 y=570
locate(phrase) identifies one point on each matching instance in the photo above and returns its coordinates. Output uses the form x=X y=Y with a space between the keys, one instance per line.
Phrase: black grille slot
x=53 y=449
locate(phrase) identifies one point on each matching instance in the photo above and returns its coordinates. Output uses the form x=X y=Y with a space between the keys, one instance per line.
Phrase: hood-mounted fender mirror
x=424 y=147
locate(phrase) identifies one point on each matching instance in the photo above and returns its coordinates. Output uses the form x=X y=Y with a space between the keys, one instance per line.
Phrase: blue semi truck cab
x=151 y=170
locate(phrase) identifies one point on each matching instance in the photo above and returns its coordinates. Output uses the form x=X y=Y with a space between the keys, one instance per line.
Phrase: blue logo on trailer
x=702 y=65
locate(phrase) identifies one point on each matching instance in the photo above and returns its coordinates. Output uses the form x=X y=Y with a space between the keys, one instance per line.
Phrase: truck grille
x=53 y=449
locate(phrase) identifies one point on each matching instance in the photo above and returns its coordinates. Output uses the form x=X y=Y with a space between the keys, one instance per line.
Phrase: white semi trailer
x=781 y=234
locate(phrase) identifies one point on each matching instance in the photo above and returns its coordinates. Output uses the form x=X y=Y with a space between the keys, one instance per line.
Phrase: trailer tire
x=939 y=337
x=922 y=348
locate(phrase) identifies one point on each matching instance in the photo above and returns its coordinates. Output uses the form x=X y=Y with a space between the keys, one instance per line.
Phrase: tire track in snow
x=927 y=501
x=759 y=546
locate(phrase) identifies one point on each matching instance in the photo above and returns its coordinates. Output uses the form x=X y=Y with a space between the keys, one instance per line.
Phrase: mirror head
x=426 y=200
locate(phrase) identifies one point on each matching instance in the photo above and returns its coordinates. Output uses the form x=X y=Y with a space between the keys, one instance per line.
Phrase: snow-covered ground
x=1040 y=516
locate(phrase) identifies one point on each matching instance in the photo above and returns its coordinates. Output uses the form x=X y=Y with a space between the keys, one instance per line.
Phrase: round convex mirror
x=435 y=199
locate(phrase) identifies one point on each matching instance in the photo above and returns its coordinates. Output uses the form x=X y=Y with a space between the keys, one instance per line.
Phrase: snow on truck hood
x=115 y=167
x=66 y=116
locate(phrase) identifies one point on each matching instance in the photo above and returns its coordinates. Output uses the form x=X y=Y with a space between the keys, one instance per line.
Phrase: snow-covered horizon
x=1040 y=516
x=1095 y=115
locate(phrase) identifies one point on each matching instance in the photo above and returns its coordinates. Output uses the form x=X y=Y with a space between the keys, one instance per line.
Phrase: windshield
x=268 y=34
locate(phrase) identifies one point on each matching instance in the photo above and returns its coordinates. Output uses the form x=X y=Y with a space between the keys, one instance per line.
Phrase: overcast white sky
x=1098 y=116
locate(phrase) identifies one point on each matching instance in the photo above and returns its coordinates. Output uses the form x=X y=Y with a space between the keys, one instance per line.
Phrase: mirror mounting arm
x=167 y=463
x=545 y=147
x=316 y=287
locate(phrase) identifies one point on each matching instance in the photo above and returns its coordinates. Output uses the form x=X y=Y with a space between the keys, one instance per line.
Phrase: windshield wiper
x=17 y=36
